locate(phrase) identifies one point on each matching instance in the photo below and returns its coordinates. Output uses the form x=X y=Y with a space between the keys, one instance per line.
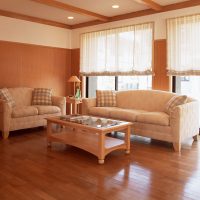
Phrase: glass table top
x=97 y=122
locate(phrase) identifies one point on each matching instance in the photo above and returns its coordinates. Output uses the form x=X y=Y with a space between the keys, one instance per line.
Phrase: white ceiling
x=103 y=7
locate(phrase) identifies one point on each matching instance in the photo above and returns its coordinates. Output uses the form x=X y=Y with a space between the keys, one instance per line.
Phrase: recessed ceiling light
x=70 y=17
x=115 y=6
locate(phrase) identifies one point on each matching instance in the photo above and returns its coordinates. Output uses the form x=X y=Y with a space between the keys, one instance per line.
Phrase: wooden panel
x=33 y=19
x=160 y=80
x=141 y=13
x=151 y=4
x=67 y=7
x=34 y=66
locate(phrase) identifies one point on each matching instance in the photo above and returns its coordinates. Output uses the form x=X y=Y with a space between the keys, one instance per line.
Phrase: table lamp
x=74 y=79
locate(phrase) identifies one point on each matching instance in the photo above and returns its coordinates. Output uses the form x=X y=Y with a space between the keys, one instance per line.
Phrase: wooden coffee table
x=89 y=133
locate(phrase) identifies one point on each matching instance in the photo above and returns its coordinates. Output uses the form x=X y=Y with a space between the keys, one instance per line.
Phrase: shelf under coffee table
x=89 y=137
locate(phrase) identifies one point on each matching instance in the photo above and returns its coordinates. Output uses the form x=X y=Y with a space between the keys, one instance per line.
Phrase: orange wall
x=35 y=66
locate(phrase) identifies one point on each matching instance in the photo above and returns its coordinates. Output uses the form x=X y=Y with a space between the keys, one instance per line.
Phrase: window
x=134 y=82
x=119 y=51
x=100 y=83
x=183 y=44
x=188 y=85
x=117 y=83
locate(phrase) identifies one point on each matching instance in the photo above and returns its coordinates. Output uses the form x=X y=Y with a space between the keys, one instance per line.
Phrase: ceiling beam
x=33 y=19
x=151 y=4
x=175 y=6
x=67 y=7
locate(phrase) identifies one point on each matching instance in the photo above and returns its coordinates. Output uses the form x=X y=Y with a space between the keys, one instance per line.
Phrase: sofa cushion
x=100 y=111
x=175 y=101
x=24 y=111
x=42 y=96
x=106 y=98
x=158 y=118
x=6 y=96
x=47 y=109
x=125 y=114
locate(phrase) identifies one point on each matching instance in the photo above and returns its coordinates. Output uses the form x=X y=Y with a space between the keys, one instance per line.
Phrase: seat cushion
x=47 y=109
x=125 y=114
x=158 y=118
x=24 y=111
x=100 y=111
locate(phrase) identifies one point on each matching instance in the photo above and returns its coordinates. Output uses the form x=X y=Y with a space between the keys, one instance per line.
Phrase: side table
x=74 y=102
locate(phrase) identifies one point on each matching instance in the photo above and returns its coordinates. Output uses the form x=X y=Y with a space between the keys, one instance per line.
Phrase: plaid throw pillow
x=175 y=101
x=6 y=96
x=106 y=98
x=42 y=96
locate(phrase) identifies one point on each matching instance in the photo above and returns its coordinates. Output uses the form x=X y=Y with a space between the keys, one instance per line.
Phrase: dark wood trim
x=141 y=13
x=173 y=83
x=176 y=6
x=67 y=7
x=87 y=87
x=33 y=19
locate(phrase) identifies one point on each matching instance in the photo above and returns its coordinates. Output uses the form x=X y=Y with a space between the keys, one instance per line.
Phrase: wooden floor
x=29 y=170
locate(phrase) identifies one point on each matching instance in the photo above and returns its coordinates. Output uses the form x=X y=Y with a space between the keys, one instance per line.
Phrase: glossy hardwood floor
x=31 y=171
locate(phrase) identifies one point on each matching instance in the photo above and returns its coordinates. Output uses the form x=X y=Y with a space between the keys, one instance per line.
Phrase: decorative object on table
x=74 y=80
x=78 y=93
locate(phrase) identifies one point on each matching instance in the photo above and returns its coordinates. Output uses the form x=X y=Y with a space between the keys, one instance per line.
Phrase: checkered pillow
x=42 y=96
x=106 y=98
x=175 y=101
x=6 y=96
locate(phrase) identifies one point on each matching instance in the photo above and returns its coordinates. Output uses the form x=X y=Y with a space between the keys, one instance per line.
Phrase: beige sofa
x=23 y=115
x=146 y=109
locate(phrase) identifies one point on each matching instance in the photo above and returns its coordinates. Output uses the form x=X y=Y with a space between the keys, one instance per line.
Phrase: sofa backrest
x=150 y=100
x=21 y=95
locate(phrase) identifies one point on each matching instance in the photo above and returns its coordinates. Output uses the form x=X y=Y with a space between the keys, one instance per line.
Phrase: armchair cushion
x=42 y=96
x=24 y=111
x=42 y=110
x=6 y=96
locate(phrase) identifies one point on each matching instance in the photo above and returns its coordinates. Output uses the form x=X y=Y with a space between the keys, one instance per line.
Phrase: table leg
x=49 y=132
x=101 y=148
x=71 y=109
x=75 y=108
x=127 y=139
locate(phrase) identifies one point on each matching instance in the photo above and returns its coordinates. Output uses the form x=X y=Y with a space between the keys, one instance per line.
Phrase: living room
x=129 y=69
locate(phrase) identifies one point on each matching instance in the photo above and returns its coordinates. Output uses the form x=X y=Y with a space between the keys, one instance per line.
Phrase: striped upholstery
x=42 y=96
x=106 y=98
x=6 y=96
x=175 y=101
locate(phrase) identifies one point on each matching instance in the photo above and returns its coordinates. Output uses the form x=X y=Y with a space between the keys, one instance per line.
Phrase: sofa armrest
x=87 y=103
x=184 y=121
x=60 y=102
x=5 y=115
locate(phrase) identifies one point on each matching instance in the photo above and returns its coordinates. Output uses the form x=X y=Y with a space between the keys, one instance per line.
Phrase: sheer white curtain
x=183 y=40
x=119 y=51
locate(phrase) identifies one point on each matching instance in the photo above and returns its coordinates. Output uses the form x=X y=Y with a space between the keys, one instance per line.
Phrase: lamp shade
x=74 y=79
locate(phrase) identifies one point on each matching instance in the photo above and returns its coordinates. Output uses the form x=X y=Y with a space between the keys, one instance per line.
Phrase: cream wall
x=16 y=30
x=159 y=20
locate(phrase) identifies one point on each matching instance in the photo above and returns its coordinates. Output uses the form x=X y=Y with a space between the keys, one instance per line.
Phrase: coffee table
x=90 y=134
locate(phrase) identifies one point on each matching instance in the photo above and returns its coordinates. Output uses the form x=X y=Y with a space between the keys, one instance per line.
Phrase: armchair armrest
x=87 y=103
x=5 y=116
x=60 y=102
x=184 y=121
